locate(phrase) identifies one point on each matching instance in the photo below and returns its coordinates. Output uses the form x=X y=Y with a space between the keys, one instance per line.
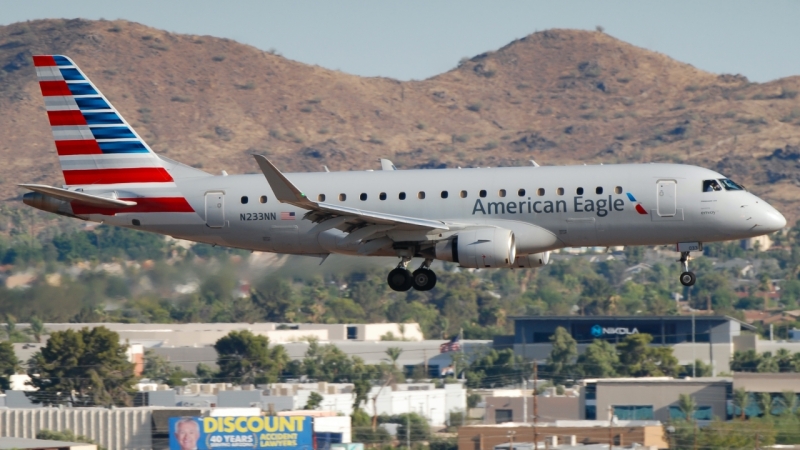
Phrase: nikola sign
x=599 y=331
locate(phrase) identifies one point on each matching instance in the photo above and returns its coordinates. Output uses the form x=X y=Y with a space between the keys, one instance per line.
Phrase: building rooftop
x=637 y=318
x=8 y=443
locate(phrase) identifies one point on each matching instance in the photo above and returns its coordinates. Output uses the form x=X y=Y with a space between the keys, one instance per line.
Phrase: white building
x=422 y=398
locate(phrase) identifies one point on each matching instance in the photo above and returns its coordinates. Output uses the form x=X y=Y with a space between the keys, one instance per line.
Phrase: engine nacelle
x=532 y=260
x=479 y=248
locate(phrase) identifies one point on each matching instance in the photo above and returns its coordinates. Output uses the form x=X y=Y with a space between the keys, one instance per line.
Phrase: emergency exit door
x=667 y=201
x=215 y=209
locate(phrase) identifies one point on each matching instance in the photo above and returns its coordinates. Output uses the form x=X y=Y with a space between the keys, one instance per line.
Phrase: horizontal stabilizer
x=80 y=197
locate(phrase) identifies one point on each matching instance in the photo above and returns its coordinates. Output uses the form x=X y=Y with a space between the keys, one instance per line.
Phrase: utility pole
x=694 y=356
x=611 y=428
x=535 y=407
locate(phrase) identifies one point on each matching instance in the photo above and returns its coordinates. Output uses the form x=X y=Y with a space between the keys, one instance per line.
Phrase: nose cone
x=769 y=219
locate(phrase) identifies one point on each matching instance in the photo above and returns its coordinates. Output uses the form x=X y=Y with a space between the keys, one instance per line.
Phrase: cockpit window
x=711 y=186
x=730 y=185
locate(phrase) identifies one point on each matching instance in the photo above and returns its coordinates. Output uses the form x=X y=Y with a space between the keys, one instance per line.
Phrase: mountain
x=557 y=96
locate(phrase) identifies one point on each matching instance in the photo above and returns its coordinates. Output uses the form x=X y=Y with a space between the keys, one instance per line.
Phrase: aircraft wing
x=80 y=197
x=333 y=216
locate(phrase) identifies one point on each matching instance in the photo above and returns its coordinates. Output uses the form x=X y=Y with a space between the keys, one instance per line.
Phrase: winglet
x=284 y=190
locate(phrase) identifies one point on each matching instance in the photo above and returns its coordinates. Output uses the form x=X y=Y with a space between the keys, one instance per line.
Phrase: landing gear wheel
x=688 y=278
x=424 y=279
x=400 y=279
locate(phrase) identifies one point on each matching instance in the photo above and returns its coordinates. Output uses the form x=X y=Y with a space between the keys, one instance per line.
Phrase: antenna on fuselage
x=326 y=168
x=535 y=164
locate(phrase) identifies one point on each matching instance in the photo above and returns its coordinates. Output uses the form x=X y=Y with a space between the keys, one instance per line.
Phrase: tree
x=687 y=406
x=88 y=367
x=158 y=369
x=314 y=400
x=245 y=358
x=204 y=372
x=599 y=360
x=9 y=364
x=564 y=351
x=37 y=329
x=788 y=401
x=394 y=354
x=495 y=369
x=14 y=335
x=638 y=359
x=740 y=401
x=764 y=402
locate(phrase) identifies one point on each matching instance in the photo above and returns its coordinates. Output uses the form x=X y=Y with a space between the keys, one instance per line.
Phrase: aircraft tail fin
x=95 y=144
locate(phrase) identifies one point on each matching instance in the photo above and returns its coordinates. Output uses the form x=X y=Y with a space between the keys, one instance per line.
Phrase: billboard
x=242 y=432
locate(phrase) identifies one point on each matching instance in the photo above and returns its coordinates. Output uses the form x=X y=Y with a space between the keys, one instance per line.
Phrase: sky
x=417 y=39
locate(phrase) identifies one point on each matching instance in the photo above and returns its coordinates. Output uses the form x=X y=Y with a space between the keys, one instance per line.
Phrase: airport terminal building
x=707 y=338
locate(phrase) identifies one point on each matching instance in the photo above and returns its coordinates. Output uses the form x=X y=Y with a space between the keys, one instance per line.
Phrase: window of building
x=618 y=190
x=501 y=192
x=701 y=413
x=503 y=416
x=321 y=198
x=521 y=192
x=579 y=191
x=444 y=194
x=540 y=192
x=382 y=196
x=363 y=196
x=598 y=190
x=421 y=195
x=342 y=197
x=244 y=200
x=560 y=191
x=463 y=194
x=483 y=193
x=633 y=412
x=711 y=186
x=402 y=196
x=263 y=199
x=352 y=332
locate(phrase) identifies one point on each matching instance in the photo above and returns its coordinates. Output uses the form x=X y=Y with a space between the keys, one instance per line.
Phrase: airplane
x=510 y=217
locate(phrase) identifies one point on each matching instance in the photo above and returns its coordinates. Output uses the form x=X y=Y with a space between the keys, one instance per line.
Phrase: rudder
x=95 y=144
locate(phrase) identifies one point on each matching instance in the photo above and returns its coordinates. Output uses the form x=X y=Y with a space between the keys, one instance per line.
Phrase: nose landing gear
x=687 y=278
x=401 y=279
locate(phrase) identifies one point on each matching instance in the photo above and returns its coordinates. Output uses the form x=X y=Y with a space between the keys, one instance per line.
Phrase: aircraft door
x=215 y=209
x=667 y=198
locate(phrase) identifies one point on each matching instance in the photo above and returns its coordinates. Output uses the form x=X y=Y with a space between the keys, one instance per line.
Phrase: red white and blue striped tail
x=95 y=144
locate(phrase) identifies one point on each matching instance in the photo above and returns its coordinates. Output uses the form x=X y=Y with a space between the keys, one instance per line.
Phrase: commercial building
x=623 y=432
x=12 y=443
x=710 y=339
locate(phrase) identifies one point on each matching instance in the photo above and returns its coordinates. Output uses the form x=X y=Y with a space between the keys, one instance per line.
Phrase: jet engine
x=532 y=260
x=479 y=248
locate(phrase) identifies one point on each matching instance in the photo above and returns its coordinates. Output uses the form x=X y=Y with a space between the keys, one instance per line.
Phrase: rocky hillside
x=558 y=96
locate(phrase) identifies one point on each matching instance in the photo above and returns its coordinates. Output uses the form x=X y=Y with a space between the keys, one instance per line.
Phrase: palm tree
x=767 y=364
x=740 y=400
x=37 y=329
x=394 y=353
x=788 y=400
x=784 y=359
x=687 y=406
x=764 y=402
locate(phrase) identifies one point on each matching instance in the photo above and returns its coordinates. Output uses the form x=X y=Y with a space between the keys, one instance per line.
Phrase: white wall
x=336 y=424
x=434 y=404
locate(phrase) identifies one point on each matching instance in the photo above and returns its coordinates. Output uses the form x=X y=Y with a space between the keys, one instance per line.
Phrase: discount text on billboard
x=256 y=432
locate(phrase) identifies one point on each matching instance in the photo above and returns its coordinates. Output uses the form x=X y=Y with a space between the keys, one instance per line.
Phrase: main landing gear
x=401 y=279
x=687 y=278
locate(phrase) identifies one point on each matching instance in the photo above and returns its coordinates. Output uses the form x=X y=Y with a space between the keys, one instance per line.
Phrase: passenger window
x=618 y=190
x=382 y=196
x=363 y=196
x=730 y=185
x=502 y=193
x=540 y=192
x=263 y=199
x=421 y=195
x=560 y=191
x=579 y=191
x=521 y=192
x=598 y=190
x=402 y=196
x=483 y=193
x=321 y=197
x=342 y=197
x=711 y=186
x=463 y=194
x=244 y=200
x=444 y=194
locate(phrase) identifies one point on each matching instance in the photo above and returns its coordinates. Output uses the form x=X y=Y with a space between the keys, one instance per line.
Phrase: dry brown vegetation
x=558 y=96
